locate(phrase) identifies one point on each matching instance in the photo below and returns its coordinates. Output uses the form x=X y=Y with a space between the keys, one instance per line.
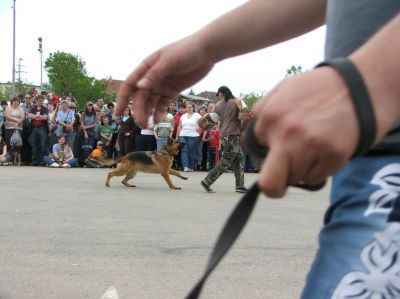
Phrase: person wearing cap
x=232 y=157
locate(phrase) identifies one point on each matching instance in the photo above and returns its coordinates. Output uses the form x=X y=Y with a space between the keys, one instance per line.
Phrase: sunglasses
x=28 y=98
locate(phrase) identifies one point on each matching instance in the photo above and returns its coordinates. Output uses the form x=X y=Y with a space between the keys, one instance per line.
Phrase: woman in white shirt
x=188 y=132
x=14 y=119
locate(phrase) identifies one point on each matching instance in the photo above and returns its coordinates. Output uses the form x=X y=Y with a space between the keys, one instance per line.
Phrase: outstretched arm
x=254 y=25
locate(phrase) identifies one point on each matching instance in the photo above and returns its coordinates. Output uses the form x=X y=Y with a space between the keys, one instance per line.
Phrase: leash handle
x=260 y=151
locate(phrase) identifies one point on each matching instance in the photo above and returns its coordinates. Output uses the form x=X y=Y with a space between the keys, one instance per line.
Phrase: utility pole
x=13 y=70
x=19 y=69
x=40 y=49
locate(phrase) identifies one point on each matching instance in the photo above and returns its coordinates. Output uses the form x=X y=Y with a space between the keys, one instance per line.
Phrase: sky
x=113 y=37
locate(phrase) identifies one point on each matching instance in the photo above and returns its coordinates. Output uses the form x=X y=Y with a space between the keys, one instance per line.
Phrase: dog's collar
x=164 y=152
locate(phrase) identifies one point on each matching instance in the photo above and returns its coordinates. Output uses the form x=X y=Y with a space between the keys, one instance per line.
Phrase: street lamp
x=13 y=69
x=40 y=49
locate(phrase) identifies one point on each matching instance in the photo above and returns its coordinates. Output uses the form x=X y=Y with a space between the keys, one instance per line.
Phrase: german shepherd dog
x=149 y=161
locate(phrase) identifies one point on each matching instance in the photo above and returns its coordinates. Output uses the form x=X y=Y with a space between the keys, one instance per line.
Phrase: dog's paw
x=176 y=188
x=184 y=178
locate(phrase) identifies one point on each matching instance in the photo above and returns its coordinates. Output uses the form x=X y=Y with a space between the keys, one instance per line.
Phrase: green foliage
x=5 y=93
x=22 y=88
x=293 y=70
x=110 y=97
x=67 y=73
x=250 y=98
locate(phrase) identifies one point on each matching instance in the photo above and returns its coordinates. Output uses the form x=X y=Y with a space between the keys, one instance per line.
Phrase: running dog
x=149 y=161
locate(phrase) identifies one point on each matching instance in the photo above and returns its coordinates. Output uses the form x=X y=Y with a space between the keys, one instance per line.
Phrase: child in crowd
x=163 y=130
x=215 y=146
x=4 y=157
x=106 y=134
x=98 y=157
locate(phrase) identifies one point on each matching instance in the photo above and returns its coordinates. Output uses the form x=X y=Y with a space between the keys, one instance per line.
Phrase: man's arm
x=254 y=25
x=260 y=23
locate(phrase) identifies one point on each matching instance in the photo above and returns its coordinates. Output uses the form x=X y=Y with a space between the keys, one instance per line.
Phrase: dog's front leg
x=168 y=180
x=176 y=173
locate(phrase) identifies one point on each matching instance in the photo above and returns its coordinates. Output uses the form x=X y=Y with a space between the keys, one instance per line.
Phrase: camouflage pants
x=232 y=158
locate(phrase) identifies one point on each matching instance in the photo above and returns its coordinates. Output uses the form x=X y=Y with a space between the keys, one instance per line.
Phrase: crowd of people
x=44 y=130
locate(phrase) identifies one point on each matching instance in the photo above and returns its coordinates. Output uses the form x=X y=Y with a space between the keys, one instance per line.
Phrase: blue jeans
x=39 y=138
x=73 y=162
x=161 y=141
x=359 y=245
x=189 y=151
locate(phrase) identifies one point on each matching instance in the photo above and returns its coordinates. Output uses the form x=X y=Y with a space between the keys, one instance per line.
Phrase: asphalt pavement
x=63 y=234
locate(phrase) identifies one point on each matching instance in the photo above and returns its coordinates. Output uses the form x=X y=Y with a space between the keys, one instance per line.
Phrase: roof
x=112 y=84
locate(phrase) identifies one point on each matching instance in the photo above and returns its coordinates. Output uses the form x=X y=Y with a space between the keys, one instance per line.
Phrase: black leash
x=240 y=215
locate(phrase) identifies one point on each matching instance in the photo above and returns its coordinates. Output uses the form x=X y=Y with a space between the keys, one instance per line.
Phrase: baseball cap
x=99 y=143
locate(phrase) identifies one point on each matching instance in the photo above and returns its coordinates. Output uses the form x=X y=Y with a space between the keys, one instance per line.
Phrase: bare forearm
x=260 y=23
x=378 y=62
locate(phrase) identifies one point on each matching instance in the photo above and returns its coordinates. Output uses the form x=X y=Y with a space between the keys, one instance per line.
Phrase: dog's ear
x=169 y=140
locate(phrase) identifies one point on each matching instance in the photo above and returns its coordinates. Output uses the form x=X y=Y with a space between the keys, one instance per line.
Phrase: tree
x=293 y=70
x=250 y=98
x=67 y=73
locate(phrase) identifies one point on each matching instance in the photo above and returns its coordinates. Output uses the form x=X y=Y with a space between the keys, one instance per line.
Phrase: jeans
x=359 y=245
x=189 y=151
x=73 y=162
x=161 y=141
x=39 y=138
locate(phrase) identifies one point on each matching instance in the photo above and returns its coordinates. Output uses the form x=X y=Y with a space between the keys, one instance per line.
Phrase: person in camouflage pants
x=228 y=109
x=232 y=156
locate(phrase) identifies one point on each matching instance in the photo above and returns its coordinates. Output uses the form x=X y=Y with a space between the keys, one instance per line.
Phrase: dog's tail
x=107 y=162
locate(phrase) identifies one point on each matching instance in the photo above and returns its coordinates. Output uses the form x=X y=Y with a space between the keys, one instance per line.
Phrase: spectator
x=62 y=155
x=52 y=125
x=188 y=133
x=177 y=163
x=4 y=157
x=215 y=147
x=106 y=135
x=202 y=151
x=76 y=124
x=26 y=150
x=39 y=136
x=15 y=117
x=65 y=118
x=114 y=122
x=100 y=105
x=163 y=130
x=172 y=108
x=89 y=123
x=126 y=130
x=147 y=140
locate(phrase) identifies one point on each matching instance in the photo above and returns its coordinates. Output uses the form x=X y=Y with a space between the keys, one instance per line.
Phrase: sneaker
x=185 y=169
x=66 y=165
x=54 y=165
x=206 y=187
x=241 y=189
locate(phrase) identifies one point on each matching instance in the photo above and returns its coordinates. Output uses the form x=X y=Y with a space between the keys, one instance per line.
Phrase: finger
x=324 y=167
x=161 y=107
x=274 y=173
x=128 y=87
x=141 y=108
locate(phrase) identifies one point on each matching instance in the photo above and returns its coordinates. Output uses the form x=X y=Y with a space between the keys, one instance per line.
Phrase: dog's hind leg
x=130 y=175
x=120 y=171
x=176 y=173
